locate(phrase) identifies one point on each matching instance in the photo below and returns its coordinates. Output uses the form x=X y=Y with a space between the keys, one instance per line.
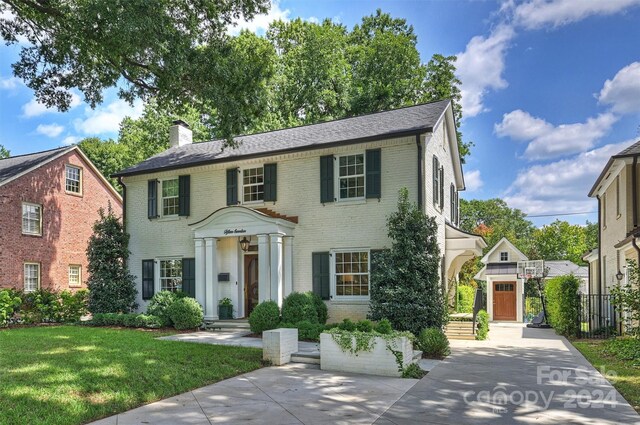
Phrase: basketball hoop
x=532 y=269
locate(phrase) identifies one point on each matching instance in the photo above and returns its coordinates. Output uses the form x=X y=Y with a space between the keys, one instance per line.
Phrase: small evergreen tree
x=111 y=287
x=405 y=286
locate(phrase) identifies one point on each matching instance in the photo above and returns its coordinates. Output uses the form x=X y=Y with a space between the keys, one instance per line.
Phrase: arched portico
x=274 y=234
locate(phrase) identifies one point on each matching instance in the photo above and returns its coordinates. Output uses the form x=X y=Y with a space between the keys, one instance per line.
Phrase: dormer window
x=504 y=256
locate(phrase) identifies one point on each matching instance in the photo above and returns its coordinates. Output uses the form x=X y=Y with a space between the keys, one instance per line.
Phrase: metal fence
x=597 y=317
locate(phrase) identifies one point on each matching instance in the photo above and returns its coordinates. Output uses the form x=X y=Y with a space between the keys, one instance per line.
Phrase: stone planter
x=225 y=312
x=378 y=361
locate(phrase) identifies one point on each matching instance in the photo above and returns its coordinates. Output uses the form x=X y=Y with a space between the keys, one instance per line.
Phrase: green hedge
x=562 y=304
x=42 y=306
x=186 y=313
x=482 y=325
x=433 y=343
x=466 y=295
x=129 y=320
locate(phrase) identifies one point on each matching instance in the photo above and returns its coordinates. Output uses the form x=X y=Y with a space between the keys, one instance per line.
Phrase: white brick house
x=310 y=204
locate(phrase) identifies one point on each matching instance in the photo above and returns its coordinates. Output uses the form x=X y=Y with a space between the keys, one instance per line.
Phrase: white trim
x=67 y=167
x=79 y=267
x=24 y=275
x=31 y=204
x=161 y=198
x=242 y=185
x=336 y=173
x=332 y=265
x=506 y=255
x=159 y=260
x=521 y=256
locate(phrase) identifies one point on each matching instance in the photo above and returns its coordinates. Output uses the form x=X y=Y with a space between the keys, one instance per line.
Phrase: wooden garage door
x=504 y=301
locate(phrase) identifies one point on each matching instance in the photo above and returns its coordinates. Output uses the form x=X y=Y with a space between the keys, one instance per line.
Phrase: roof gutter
x=378 y=137
x=420 y=171
x=634 y=201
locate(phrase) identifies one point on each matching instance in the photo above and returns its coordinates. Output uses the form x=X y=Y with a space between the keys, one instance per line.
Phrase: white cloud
x=260 y=23
x=9 y=83
x=623 y=92
x=50 y=130
x=480 y=67
x=547 y=141
x=70 y=140
x=560 y=186
x=540 y=13
x=473 y=180
x=106 y=119
x=33 y=108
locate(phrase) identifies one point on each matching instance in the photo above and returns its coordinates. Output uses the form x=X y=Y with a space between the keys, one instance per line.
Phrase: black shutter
x=148 y=281
x=232 y=186
x=441 y=187
x=184 y=195
x=189 y=276
x=321 y=274
x=152 y=199
x=452 y=202
x=436 y=190
x=326 y=179
x=270 y=182
x=373 y=167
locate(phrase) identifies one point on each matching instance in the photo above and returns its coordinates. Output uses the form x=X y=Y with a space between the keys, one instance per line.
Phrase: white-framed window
x=504 y=256
x=75 y=275
x=350 y=273
x=171 y=275
x=73 y=180
x=253 y=184
x=31 y=277
x=31 y=219
x=351 y=176
x=170 y=191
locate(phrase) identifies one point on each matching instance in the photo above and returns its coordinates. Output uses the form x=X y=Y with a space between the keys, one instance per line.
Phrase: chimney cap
x=181 y=123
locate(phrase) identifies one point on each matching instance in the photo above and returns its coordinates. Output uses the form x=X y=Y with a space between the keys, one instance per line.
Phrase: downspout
x=420 y=176
x=599 y=245
x=124 y=203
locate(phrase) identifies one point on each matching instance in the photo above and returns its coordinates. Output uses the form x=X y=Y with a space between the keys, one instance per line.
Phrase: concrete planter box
x=378 y=361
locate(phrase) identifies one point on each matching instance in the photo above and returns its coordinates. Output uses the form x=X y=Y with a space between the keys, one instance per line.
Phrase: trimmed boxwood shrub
x=297 y=307
x=265 y=316
x=364 y=326
x=384 y=327
x=130 y=320
x=562 y=304
x=160 y=303
x=433 y=343
x=307 y=331
x=347 y=325
x=321 y=307
x=482 y=325
x=186 y=313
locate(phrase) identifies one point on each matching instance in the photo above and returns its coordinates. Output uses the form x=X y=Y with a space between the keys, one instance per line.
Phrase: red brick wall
x=67 y=221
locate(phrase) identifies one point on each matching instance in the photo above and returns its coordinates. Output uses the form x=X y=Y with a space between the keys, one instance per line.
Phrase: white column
x=211 y=279
x=264 y=275
x=277 y=283
x=288 y=265
x=200 y=271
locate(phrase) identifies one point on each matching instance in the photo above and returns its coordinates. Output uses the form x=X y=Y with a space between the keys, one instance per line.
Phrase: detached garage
x=505 y=291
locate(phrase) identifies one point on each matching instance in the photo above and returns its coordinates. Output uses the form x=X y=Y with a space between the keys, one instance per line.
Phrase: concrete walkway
x=292 y=394
x=518 y=376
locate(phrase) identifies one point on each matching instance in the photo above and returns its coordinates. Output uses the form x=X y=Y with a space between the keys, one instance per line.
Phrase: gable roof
x=410 y=120
x=630 y=152
x=504 y=242
x=16 y=166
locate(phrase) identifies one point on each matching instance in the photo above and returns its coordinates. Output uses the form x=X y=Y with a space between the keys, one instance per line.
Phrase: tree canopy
x=4 y=152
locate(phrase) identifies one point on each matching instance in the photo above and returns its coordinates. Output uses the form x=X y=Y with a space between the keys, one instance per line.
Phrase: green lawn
x=72 y=374
x=625 y=374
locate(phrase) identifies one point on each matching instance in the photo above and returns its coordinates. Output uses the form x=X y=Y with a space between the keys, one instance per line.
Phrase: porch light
x=244 y=244
x=619 y=275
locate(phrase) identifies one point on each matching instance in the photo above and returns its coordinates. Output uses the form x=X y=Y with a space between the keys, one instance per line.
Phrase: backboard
x=531 y=269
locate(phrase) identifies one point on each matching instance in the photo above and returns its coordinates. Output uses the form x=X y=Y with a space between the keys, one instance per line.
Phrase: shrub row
x=482 y=325
x=562 y=304
x=176 y=309
x=128 y=320
x=42 y=306
x=433 y=343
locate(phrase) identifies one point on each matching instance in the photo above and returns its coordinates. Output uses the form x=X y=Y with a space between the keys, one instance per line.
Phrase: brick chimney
x=180 y=134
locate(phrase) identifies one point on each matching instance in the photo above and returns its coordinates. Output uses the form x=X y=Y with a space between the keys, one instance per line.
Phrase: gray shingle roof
x=395 y=123
x=630 y=151
x=565 y=267
x=14 y=165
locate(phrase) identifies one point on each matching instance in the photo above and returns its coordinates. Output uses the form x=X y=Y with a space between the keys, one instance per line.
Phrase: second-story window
x=73 y=180
x=351 y=176
x=504 y=256
x=170 y=204
x=253 y=184
x=31 y=219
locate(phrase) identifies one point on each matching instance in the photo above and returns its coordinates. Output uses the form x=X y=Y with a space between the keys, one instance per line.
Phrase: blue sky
x=551 y=89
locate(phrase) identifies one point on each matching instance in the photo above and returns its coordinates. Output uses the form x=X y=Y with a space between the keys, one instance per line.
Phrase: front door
x=250 y=283
x=504 y=301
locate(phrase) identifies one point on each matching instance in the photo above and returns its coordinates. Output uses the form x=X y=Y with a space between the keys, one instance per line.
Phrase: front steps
x=460 y=330
x=235 y=325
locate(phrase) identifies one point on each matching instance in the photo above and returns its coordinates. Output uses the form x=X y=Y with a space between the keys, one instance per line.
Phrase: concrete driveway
x=518 y=376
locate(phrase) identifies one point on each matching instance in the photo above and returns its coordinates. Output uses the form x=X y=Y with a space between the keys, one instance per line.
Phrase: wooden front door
x=504 y=301
x=250 y=283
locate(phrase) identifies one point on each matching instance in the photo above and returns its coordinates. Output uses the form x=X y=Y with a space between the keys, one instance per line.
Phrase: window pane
x=253 y=184
x=352 y=273
x=72 y=183
x=351 y=176
x=171 y=275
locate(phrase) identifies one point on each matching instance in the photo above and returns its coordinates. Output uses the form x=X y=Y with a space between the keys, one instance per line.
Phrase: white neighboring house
x=505 y=292
x=557 y=268
x=297 y=209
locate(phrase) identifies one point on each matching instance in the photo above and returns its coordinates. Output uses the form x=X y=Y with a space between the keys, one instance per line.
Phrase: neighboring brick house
x=48 y=203
x=297 y=209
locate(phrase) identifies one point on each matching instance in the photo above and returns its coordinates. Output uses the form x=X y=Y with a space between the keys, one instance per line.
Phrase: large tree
x=177 y=51
x=563 y=241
